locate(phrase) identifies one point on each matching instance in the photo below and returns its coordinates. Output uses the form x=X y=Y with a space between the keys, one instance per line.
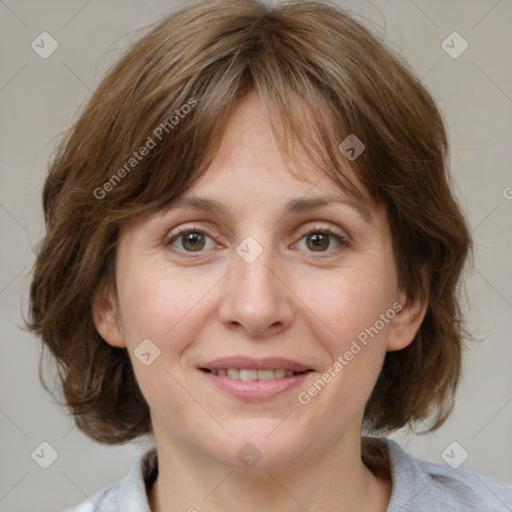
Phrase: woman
x=252 y=251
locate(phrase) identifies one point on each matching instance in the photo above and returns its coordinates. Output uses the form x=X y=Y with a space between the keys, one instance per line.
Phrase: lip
x=249 y=363
x=257 y=389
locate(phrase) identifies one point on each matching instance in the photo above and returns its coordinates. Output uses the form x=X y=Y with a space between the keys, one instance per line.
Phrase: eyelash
x=342 y=240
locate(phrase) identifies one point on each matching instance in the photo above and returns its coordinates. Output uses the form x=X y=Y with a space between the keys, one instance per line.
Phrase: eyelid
x=193 y=229
x=322 y=228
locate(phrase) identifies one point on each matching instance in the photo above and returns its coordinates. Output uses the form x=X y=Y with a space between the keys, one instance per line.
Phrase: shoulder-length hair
x=321 y=76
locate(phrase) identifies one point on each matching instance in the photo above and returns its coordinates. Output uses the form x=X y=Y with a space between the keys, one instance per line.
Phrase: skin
x=295 y=301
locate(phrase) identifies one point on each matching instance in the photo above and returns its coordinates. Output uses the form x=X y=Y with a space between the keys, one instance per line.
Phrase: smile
x=251 y=375
x=251 y=379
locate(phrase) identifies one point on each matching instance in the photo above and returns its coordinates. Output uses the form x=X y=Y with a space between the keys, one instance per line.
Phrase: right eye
x=191 y=239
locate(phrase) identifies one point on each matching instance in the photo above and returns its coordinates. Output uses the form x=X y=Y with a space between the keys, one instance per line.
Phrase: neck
x=337 y=480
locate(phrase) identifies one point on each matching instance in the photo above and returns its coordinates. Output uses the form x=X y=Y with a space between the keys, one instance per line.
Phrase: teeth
x=266 y=375
x=233 y=373
x=250 y=375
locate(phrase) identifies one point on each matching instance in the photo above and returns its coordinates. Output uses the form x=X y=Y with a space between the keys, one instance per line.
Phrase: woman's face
x=248 y=291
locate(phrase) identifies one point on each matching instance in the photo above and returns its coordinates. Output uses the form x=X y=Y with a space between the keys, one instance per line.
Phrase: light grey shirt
x=418 y=486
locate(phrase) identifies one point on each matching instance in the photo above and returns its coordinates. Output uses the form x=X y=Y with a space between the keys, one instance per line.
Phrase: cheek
x=149 y=308
x=165 y=310
x=349 y=302
x=163 y=306
x=349 y=328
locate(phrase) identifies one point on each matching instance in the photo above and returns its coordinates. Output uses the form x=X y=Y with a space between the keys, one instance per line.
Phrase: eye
x=194 y=240
x=191 y=239
x=318 y=239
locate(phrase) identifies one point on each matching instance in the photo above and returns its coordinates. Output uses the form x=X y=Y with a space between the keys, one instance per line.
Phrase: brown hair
x=321 y=76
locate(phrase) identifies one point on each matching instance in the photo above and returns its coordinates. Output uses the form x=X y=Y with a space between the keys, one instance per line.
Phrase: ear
x=106 y=318
x=406 y=322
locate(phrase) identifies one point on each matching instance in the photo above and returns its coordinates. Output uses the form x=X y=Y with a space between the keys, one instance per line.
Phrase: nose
x=257 y=297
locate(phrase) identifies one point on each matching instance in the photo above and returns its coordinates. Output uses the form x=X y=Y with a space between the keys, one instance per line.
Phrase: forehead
x=247 y=171
x=250 y=167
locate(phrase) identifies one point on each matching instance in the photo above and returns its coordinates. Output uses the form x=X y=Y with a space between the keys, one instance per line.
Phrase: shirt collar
x=133 y=493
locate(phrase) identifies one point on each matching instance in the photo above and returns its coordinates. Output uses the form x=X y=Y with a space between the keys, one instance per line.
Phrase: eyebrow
x=293 y=206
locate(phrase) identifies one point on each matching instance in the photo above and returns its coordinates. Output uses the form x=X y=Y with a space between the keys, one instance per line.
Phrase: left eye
x=318 y=240
x=194 y=240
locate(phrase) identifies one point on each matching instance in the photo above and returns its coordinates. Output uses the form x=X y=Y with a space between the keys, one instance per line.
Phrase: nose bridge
x=256 y=297
x=254 y=273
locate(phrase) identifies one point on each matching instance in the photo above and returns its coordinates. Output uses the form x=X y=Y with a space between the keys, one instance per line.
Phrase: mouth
x=247 y=374
x=255 y=379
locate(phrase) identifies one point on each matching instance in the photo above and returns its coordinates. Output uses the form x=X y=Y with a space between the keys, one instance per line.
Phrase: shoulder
x=126 y=494
x=425 y=486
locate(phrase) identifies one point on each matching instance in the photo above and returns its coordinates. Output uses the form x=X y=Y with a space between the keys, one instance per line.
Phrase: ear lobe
x=105 y=318
x=406 y=323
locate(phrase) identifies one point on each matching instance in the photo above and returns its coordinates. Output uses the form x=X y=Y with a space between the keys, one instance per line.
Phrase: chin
x=260 y=453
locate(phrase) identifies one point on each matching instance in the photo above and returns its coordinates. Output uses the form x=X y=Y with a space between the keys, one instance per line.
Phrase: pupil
x=319 y=240
x=192 y=240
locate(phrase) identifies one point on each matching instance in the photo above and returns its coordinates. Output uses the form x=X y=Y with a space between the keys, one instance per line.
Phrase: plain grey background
x=40 y=98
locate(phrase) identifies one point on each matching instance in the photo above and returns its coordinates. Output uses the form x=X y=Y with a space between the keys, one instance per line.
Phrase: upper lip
x=249 y=363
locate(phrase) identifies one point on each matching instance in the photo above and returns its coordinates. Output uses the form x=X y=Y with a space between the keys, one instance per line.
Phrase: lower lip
x=256 y=389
